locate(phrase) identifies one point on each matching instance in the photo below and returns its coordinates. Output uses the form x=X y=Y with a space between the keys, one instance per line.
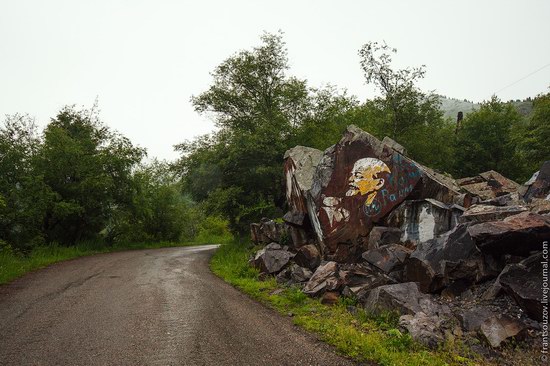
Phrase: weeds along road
x=147 y=307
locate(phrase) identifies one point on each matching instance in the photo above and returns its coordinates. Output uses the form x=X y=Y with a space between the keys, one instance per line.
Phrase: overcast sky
x=144 y=59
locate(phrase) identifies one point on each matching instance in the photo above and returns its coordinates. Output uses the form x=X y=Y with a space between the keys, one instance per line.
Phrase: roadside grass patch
x=357 y=334
x=14 y=265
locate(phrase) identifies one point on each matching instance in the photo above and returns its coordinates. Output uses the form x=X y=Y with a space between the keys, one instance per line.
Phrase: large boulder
x=272 y=259
x=269 y=231
x=308 y=256
x=482 y=213
x=382 y=235
x=325 y=278
x=357 y=182
x=523 y=282
x=499 y=328
x=404 y=298
x=359 y=279
x=539 y=185
x=449 y=258
x=516 y=235
x=388 y=258
x=471 y=319
x=422 y=220
x=299 y=167
x=424 y=328
x=488 y=185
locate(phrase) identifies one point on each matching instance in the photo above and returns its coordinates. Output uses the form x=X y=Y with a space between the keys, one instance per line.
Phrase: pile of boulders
x=453 y=257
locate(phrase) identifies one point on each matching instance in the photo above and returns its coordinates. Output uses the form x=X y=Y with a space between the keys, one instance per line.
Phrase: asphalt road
x=147 y=307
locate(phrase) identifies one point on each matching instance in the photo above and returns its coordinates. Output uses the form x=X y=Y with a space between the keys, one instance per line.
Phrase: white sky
x=144 y=59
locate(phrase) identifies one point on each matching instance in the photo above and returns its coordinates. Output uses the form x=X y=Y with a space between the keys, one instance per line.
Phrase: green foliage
x=88 y=169
x=405 y=113
x=533 y=136
x=24 y=195
x=485 y=141
x=256 y=106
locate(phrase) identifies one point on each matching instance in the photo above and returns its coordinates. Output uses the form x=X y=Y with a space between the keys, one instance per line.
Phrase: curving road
x=147 y=307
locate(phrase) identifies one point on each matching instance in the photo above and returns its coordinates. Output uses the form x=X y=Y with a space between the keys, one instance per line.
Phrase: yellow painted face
x=364 y=180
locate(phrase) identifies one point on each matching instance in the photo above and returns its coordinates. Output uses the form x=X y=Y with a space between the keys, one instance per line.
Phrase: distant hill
x=451 y=106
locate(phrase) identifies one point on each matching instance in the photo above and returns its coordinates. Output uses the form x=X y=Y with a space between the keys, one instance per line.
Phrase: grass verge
x=360 y=336
x=14 y=265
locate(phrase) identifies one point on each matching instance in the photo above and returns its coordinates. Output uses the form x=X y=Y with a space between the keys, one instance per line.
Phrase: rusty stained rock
x=516 y=235
x=308 y=256
x=357 y=182
x=482 y=213
x=488 y=185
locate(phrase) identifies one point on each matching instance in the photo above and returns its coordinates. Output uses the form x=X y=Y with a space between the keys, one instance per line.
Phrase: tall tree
x=404 y=112
x=24 y=197
x=257 y=108
x=485 y=141
x=88 y=168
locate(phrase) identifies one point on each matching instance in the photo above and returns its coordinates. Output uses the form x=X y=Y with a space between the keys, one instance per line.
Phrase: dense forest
x=78 y=180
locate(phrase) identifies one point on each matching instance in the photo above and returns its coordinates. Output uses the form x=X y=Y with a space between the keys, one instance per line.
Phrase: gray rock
x=523 y=282
x=271 y=260
x=388 y=258
x=424 y=328
x=482 y=213
x=471 y=319
x=497 y=329
x=325 y=278
x=300 y=274
x=394 y=145
x=539 y=185
x=516 y=235
x=449 y=258
x=404 y=298
x=381 y=235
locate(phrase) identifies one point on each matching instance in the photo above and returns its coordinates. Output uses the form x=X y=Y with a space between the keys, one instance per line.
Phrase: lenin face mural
x=365 y=178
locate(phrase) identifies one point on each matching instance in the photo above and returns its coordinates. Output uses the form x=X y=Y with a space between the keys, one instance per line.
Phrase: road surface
x=147 y=307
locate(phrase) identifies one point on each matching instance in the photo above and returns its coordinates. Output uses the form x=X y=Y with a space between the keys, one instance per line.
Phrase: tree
x=23 y=194
x=257 y=109
x=405 y=113
x=485 y=141
x=533 y=138
x=88 y=168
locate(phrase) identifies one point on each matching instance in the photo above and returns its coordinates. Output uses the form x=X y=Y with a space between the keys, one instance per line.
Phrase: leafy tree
x=23 y=195
x=534 y=137
x=405 y=113
x=88 y=168
x=158 y=212
x=257 y=109
x=485 y=141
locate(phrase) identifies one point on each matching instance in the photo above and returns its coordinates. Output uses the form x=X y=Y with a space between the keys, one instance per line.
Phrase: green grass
x=363 y=336
x=14 y=265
